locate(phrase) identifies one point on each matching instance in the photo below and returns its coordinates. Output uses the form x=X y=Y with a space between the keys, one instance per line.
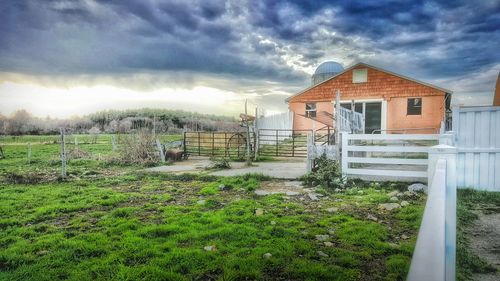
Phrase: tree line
x=164 y=121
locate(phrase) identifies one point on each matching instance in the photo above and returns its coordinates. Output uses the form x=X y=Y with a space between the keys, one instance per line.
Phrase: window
x=414 y=106
x=310 y=109
x=360 y=75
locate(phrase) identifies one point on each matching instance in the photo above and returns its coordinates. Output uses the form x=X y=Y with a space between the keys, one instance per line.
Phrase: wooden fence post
x=199 y=144
x=63 y=154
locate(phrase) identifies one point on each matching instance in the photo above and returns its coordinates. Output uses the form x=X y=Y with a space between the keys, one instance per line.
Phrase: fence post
x=63 y=154
x=310 y=148
x=256 y=141
x=226 y=145
x=446 y=139
x=199 y=144
x=113 y=142
x=184 y=144
x=277 y=142
x=160 y=150
x=213 y=143
x=344 y=153
x=455 y=121
x=448 y=153
x=29 y=153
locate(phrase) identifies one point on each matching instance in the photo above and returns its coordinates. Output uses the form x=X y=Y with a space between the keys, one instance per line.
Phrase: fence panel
x=227 y=144
x=395 y=156
x=477 y=137
x=282 y=143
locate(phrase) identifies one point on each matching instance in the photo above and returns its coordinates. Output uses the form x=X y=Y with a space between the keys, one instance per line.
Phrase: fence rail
x=391 y=155
x=434 y=256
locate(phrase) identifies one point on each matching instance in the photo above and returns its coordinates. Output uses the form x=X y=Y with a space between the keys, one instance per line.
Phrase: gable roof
x=376 y=68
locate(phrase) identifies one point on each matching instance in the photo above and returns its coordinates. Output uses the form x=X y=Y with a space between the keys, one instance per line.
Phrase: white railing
x=350 y=120
x=392 y=152
x=435 y=251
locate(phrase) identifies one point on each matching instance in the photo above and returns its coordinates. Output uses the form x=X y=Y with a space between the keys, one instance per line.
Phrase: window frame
x=413 y=111
x=311 y=113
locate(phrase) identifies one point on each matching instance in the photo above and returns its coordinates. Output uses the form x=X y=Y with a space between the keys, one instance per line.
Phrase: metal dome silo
x=325 y=71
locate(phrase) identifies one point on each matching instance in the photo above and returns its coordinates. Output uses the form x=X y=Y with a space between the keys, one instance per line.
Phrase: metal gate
x=227 y=144
x=282 y=143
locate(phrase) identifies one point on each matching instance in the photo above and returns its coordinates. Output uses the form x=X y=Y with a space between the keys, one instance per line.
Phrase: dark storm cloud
x=258 y=39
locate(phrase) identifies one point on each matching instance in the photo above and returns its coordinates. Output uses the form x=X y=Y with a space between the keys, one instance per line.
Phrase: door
x=373 y=117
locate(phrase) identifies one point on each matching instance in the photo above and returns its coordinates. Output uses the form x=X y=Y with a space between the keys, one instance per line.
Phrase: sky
x=65 y=58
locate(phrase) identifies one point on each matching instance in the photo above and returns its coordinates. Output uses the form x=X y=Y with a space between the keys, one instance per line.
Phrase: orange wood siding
x=381 y=85
x=302 y=123
x=432 y=114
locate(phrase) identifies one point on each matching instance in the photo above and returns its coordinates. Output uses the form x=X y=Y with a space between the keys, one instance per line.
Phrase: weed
x=220 y=163
x=327 y=175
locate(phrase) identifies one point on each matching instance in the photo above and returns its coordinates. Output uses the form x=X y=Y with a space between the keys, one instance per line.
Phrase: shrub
x=138 y=148
x=327 y=174
x=220 y=163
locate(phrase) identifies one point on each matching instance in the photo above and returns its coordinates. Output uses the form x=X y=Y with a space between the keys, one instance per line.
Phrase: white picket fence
x=390 y=153
x=477 y=137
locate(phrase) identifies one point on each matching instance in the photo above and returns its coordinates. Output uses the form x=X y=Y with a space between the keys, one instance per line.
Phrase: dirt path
x=484 y=236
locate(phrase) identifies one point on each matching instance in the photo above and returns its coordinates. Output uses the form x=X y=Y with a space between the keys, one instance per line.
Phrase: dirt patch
x=284 y=187
x=484 y=237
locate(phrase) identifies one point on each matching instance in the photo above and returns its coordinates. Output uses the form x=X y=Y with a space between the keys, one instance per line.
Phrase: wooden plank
x=376 y=148
x=389 y=173
x=394 y=137
x=402 y=161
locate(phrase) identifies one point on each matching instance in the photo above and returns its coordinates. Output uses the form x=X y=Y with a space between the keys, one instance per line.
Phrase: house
x=496 y=98
x=389 y=102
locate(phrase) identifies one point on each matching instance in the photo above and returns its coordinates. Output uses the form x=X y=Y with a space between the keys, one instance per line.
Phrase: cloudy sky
x=62 y=58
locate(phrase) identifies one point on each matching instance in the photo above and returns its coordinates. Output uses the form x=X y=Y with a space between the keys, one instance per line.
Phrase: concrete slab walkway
x=280 y=169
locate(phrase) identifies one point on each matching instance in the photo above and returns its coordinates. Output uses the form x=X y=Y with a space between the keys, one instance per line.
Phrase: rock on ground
x=267 y=256
x=389 y=206
x=322 y=237
x=417 y=187
x=404 y=203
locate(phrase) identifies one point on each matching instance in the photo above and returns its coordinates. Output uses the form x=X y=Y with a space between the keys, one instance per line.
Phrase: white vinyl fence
x=386 y=155
x=434 y=256
x=282 y=121
x=477 y=137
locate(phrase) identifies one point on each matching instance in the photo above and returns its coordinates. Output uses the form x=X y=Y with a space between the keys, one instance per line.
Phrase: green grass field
x=109 y=221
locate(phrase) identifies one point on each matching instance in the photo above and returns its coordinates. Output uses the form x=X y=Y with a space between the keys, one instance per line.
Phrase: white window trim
x=383 y=120
x=310 y=110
